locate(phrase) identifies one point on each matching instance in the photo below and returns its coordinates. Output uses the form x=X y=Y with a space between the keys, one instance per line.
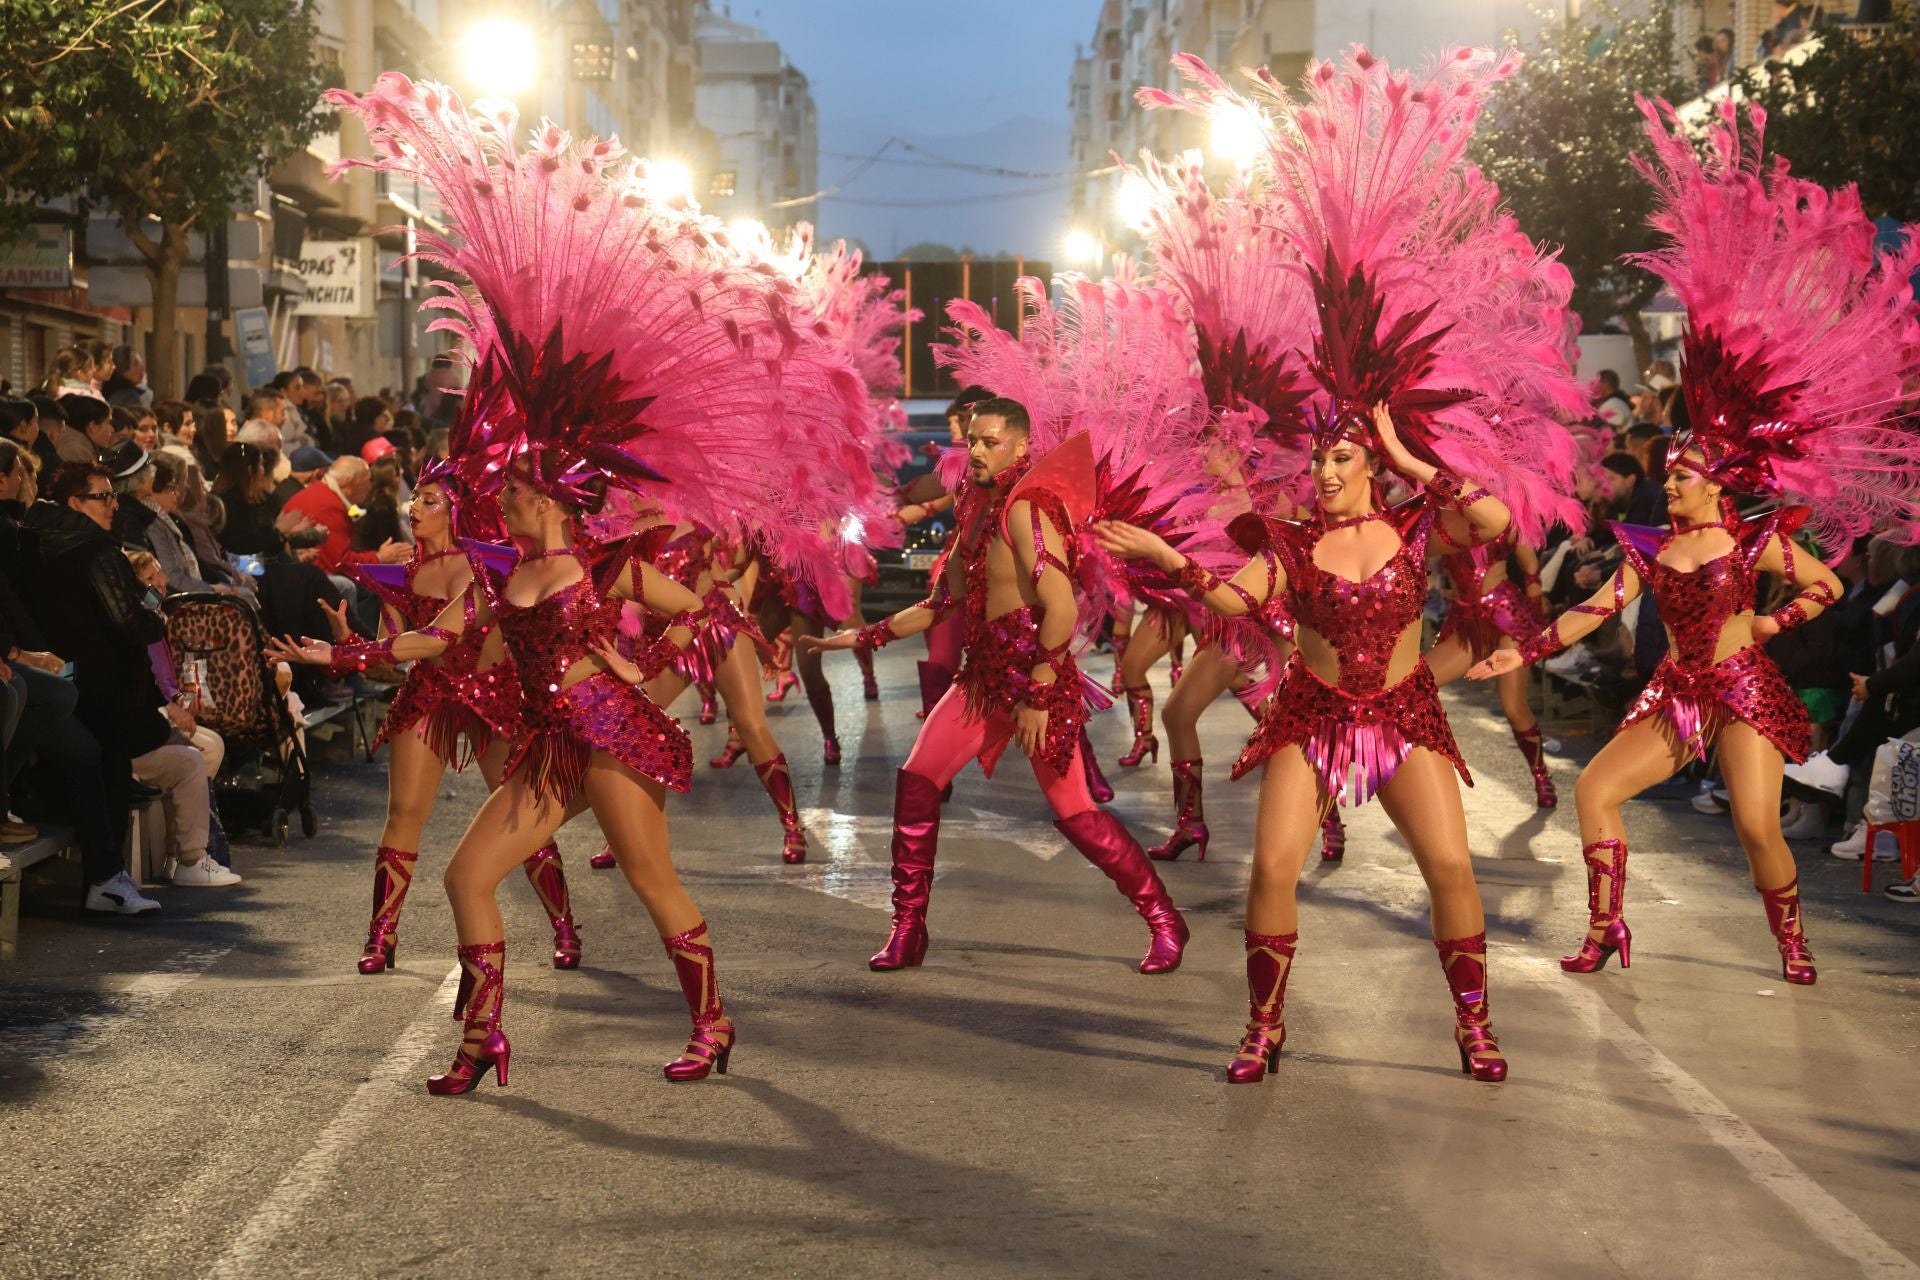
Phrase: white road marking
x=281 y=1210
x=1835 y=1224
x=56 y=1039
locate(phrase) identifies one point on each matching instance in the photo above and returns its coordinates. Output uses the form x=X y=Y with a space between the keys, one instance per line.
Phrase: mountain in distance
x=989 y=213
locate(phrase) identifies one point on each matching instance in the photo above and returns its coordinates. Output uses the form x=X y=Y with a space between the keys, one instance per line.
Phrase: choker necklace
x=1350 y=521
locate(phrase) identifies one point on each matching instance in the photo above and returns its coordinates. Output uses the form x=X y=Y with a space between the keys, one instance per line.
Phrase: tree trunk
x=1642 y=343
x=162 y=260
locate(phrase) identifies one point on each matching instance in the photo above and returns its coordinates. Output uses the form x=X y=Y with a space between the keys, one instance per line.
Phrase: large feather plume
x=613 y=335
x=1801 y=356
x=1427 y=297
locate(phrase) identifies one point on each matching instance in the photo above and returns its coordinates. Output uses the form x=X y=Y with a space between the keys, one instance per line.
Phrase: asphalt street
x=216 y=1091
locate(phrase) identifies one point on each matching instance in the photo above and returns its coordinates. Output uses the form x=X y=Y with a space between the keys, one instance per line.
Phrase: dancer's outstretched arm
x=1565 y=629
x=1256 y=583
x=409 y=646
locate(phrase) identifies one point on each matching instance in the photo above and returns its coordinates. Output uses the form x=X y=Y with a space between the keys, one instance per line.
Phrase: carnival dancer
x=610 y=345
x=945 y=638
x=1798 y=354
x=1439 y=334
x=462 y=706
x=1018 y=562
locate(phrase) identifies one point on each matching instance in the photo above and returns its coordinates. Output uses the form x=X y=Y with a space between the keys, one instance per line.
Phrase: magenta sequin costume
x=1697 y=695
x=685 y=559
x=1355 y=734
x=566 y=724
x=1480 y=616
x=461 y=705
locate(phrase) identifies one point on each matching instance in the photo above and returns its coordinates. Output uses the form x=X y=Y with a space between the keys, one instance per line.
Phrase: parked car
x=903 y=570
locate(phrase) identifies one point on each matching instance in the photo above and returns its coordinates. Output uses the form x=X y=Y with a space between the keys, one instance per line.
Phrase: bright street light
x=1082 y=249
x=668 y=179
x=1239 y=134
x=1133 y=203
x=501 y=57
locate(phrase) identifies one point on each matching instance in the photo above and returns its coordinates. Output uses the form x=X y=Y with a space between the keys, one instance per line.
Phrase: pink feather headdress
x=613 y=336
x=1428 y=298
x=1801 y=355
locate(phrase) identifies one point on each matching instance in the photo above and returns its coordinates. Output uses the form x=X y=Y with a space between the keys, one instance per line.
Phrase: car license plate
x=921 y=561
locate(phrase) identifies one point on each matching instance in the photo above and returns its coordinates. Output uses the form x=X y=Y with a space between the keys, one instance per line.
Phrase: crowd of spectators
x=111 y=502
x=1856 y=667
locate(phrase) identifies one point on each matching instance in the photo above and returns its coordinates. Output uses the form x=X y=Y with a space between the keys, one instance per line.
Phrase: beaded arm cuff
x=362 y=654
x=1543 y=643
x=1794 y=612
x=1197 y=580
x=876 y=636
x=663 y=653
x=1037 y=691
x=1451 y=491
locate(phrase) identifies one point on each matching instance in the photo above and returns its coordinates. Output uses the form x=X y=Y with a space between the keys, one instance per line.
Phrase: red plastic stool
x=1907 y=834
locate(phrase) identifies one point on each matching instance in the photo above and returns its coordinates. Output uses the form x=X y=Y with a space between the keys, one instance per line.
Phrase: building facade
x=760 y=114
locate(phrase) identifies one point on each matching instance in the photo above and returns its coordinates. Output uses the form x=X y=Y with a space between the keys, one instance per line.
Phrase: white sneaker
x=1886 y=848
x=205 y=873
x=1821 y=773
x=1803 y=821
x=6 y=864
x=1708 y=800
x=120 y=896
x=1572 y=662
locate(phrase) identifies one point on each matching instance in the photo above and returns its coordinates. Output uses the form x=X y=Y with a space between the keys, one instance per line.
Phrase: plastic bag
x=1893 y=792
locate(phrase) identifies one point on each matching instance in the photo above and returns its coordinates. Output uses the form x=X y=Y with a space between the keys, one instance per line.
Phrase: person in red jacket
x=329 y=502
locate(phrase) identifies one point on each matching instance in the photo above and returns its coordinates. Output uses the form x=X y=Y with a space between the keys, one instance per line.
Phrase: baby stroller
x=220 y=639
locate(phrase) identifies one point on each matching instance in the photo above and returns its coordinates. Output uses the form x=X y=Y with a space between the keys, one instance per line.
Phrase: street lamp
x=668 y=179
x=500 y=56
x=1082 y=249
x=1133 y=203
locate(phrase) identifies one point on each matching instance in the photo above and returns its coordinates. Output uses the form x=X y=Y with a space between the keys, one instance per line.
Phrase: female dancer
x=1797 y=352
x=1490 y=611
x=1440 y=340
x=463 y=705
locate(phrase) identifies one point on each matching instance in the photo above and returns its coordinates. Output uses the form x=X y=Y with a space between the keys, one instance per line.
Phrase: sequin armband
x=663 y=653
x=1543 y=643
x=1037 y=691
x=1197 y=580
x=1819 y=596
x=362 y=654
x=876 y=636
x=1450 y=491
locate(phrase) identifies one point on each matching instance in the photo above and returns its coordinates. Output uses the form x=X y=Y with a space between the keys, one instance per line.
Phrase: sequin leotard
x=1478 y=616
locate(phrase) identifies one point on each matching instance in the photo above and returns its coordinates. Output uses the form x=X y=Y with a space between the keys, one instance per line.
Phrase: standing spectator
x=371 y=420
x=1790 y=21
x=204 y=389
x=268 y=408
x=89 y=428
x=72 y=374
x=1609 y=405
x=295 y=431
x=128 y=385
x=102 y=356
x=1707 y=69
x=337 y=404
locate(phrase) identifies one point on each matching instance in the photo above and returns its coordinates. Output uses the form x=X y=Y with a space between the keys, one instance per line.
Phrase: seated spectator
x=371 y=419
x=304 y=466
x=100 y=618
x=195 y=517
x=145 y=430
x=212 y=433
x=204 y=740
x=52 y=424
x=204 y=388
x=254 y=525
x=89 y=428
x=383 y=521
x=176 y=421
x=164 y=536
x=330 y=501
x=1609 y=405
x=128 y=383
x=1647 y=503
x=71 y=374
x=132 y=472
x=267 y=408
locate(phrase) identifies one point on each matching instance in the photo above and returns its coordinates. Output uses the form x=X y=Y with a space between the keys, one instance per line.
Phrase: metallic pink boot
x=1528 y=740
x=1190 y=824
x=1333 y=836
x=713 y=1036
x=779 y=784
x=1097 y=785
x=1606 y=898
x=392 y=874
x=482 y=992
x=549 y=879
x=1140 y=703
x=935 y=680
x=916 y=835
x=1269 y=961
x=1783 y=917
x=1105 y=842
x=1464 y=961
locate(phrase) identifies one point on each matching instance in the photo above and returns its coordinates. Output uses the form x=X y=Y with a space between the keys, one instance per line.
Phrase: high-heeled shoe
x=708 y=711
x=1140 y=702
x=779 y=784
x=1606 y=899
x=1190 y=823
x=712 y=1041
x=1102 y=840
x=1097 y=785
x=1333 y=836
x=1464 y=961
x=1783 y=917
x=869 y=687
x=392 y=875
x=482 y=992
x=1269 y=961
x=916 y=836
x=830 y=751
x=729 y=753
x=603 y=860
x=1529 y=742
x=549 y=879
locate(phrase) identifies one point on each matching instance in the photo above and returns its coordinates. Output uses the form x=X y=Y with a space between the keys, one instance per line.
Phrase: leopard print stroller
x=219 y=639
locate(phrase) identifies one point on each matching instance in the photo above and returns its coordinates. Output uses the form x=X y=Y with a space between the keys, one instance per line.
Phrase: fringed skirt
x=1744 y=686
x=1354 y=741
x=601 y=713
x=459 y=716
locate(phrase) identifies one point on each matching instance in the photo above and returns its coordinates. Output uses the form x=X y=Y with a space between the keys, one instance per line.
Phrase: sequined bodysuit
x=1001 y=652
x=1695 y=694
x=1357 y=733
x=460 y=705
x=1479 y=616
x=566 y=724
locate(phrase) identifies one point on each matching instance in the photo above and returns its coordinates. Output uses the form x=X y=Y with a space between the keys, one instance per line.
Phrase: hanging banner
x=341 y=278
x=43 y=260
